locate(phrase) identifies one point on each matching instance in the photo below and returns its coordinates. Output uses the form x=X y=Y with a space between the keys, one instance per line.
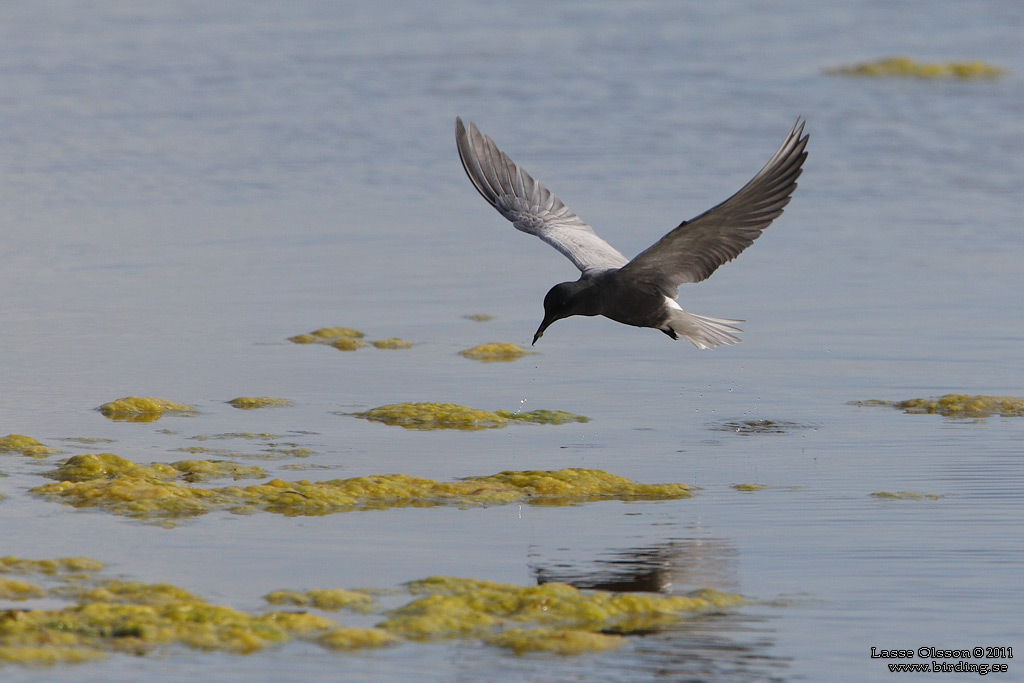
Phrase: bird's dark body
x=609 y=295
x=612 y=296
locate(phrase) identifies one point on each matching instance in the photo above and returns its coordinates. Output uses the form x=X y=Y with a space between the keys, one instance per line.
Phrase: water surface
x=187 y=185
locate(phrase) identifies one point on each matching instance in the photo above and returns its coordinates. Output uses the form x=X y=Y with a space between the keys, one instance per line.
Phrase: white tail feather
x=702 y=331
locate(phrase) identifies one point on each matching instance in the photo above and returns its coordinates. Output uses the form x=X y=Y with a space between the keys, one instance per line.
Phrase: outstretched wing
x=529 y=205
x=695 y=249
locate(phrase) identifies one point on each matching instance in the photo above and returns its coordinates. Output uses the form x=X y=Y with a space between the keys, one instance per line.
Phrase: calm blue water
x=185 y=185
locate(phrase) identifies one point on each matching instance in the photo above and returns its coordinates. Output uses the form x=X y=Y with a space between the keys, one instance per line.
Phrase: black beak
x=540 y=330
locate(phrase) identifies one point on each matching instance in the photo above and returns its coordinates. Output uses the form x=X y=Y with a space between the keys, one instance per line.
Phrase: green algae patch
x=132 y=617
x=434 y=416
x=425 y=415
x=962 y=405
x=348 y=339
x=579 y=485
x=99 y=627
x=495 y=352
x=394 y=343
x=136 y=618
x=122 y=487
x=202 y=470
x=92 y=466
x=544 y=417
x=454 y=607
x=59 y=566
x=141 y=409
x=750 y=487
x=16 y=589
x=559 y=641
x=26 y=445
x=956 y=405
x=254 y=402
x=131 y=497
x=905 y=495
x=325 y=599
x=479 y=317
x=130 y=593
x=347 y=344
x=292 y=452
x=326 y=335
x=907 y=67
x=348 y=638
x=47 y=655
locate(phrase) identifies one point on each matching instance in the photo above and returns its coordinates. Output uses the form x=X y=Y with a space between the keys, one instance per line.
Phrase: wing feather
x=530 y=206
x=696 y=248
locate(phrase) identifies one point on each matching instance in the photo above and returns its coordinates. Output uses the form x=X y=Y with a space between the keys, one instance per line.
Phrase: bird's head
x=563 y=300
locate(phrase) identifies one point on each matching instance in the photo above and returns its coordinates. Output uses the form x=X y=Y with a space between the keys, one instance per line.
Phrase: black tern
x=641 y=292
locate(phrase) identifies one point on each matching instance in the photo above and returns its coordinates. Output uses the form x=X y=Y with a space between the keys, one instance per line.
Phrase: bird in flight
x=641 y=292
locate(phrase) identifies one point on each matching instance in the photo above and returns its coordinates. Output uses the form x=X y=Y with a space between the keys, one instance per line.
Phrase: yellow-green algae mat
x=162 y=492
x=142 y=408
x=346 y=339
x=117 y=616
x=495 y=352
x=255 y=402
x=906 y=67
x=426 y=415
x=956 y=405
x=26 y=445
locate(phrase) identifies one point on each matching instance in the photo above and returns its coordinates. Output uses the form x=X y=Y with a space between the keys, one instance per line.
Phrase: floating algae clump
x=479 y=317
x=253 y=402
x=326 y=599
x=130 y=593
x=577 y=485
x=59 y=566
x=26 y=445
x=348 y=638
x=105 y=465
x=326 y=335
x=347 y=339
x=201 y=470
x=559 y=641
x=14 y=589
x=750 y=487
x=45 y=655
x=341 y=338
x=133 y=497
x=453 y=416
x=141 y=408
x=138 y=618
x=546 y=417
x=90 y=466
x=392 y=343
x=132 y=617
x=956 y=405
x=906 y=495
x=495 y=352
x=961 y=405
x=454 y=607
x=906 y=67
x=434 y=416
x=98 y=627
x=132 y=490
x=347 y=344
